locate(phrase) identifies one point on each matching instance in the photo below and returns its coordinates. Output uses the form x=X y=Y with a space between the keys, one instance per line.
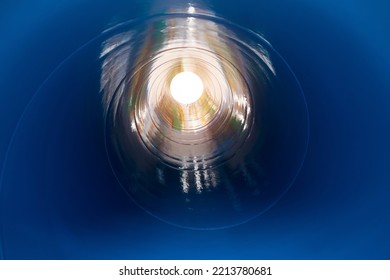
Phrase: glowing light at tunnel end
x=186 y=87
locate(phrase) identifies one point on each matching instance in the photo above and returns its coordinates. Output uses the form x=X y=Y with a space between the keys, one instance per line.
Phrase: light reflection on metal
x=213 y=127
x=210 y=146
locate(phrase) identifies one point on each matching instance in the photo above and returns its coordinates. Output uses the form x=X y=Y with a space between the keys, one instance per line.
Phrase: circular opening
x=186 y=87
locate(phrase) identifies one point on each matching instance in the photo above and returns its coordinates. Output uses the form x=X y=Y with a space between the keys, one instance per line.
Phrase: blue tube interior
x=61 y=200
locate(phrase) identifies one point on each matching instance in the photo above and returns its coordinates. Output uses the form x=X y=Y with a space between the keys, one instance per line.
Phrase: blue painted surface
x=337 y=208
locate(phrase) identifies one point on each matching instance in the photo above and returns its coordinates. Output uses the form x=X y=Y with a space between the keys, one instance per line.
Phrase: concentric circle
x=225 y=154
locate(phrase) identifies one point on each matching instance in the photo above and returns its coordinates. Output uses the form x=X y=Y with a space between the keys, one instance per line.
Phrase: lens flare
x=206 y=125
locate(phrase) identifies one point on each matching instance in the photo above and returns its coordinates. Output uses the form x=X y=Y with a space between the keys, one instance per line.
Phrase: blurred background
x=62 y=201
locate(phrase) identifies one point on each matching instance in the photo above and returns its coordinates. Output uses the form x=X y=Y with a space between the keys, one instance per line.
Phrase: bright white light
x=191 y=10
x=186 y=87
